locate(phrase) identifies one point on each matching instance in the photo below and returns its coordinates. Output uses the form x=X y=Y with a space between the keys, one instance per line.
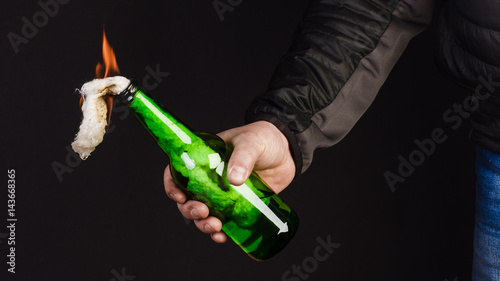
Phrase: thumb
x=241 y=164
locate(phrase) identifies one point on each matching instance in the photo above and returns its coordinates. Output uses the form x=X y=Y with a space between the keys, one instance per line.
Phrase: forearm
x=341 y=55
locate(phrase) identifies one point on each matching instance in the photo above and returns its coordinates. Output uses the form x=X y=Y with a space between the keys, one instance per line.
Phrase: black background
x=110 y=215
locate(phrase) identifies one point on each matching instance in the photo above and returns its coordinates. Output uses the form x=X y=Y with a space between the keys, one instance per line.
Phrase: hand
x=258 y=146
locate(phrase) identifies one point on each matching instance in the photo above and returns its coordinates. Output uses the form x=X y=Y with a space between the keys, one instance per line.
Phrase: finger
x=173 y=192
x=209 y=225
x=219 y=237
x=193 y=210
x=240 y=166
x=242 y=160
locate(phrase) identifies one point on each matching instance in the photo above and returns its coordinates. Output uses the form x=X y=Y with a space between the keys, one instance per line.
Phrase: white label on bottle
x=188 y=161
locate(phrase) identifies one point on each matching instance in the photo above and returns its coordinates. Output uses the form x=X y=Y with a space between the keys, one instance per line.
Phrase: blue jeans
x=487 y=231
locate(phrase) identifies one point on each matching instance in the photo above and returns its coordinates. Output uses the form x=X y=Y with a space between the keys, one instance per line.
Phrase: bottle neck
x=170 y=133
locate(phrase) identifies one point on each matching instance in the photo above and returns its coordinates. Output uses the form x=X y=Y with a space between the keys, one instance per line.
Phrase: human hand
x=259 y=147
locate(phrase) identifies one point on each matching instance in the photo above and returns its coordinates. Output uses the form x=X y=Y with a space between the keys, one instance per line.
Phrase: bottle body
x=252 y=215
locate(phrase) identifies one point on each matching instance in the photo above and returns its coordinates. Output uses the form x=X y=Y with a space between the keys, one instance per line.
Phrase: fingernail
x=171 y=195
x=194 y=213
x=208 y=228
x=237 y=174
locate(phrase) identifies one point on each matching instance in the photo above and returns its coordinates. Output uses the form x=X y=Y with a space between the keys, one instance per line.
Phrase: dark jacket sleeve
x=341 y=55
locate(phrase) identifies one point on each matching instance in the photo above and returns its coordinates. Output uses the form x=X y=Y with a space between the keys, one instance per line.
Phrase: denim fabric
x=487 y=231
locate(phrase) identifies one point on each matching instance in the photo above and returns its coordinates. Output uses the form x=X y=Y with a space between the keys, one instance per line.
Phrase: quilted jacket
x=344 y=50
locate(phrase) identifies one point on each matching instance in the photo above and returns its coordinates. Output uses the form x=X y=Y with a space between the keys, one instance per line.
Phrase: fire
x=109 y=68
x=110 y=65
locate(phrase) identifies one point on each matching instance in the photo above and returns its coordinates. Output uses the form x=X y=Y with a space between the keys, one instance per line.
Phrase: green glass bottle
x=252 y=215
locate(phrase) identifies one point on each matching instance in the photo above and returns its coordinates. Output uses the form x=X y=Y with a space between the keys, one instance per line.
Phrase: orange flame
x=110 y=68
x=110 y=65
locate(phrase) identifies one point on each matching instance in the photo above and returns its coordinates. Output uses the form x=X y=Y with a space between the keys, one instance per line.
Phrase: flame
x=109 y=68
x=110 y=65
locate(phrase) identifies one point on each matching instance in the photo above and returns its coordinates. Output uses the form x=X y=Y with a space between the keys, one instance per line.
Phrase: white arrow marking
x=178 y=131
x=188 y=161
x=248 y=194
x=214 y=160
x=220 y=168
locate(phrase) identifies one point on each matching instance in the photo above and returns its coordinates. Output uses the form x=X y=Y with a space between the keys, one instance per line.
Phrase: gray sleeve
x=341 y=55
